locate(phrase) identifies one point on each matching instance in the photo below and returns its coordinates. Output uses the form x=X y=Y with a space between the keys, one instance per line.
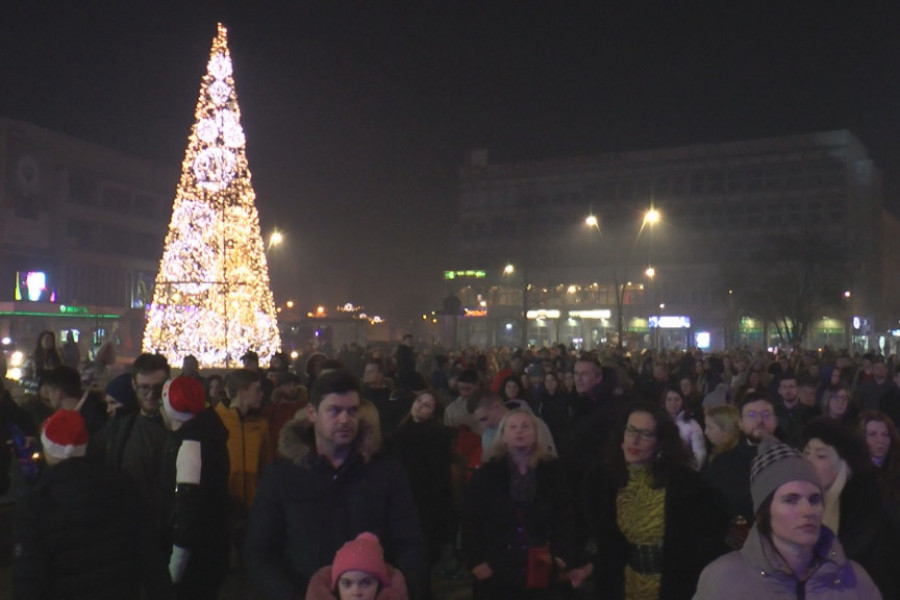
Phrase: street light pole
x=651 y=218
x=849 y=298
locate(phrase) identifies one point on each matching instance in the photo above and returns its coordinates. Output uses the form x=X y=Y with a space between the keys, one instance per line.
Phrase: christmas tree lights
x=212 y=297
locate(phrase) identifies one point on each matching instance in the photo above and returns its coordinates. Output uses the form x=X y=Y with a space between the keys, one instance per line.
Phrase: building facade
x=81 y=234
x=725 y=211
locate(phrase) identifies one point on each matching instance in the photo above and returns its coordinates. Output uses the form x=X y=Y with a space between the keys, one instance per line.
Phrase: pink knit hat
x=362 y=554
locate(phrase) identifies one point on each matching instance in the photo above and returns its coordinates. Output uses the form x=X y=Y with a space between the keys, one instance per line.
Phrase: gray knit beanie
x=774 y=465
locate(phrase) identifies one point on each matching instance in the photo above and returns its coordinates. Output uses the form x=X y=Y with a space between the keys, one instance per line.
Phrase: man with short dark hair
x=135 y=446
x=249 y=448
x=596 y=414
x=250 y=361
x=729 y=473
x=792 y=414
x=63 y=386
x=334 y=485
x=392 y=407
x=457 y=413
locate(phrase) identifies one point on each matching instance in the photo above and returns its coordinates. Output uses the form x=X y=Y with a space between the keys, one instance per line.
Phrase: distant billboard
x=34 y=286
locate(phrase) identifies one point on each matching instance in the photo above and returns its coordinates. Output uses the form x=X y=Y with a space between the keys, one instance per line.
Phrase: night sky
x=358 y=115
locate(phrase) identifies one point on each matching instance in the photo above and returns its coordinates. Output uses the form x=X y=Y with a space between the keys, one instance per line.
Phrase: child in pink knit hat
x=358 y=573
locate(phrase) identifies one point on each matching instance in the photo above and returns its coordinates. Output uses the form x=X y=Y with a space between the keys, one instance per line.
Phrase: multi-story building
x=721 y=205
x=81 y=234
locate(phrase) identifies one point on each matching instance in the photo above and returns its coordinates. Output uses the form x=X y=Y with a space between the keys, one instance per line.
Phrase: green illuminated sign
x=465 y=274
x=73 y=310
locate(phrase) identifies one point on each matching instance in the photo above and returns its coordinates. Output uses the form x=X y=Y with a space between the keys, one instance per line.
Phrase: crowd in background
x=537 y=473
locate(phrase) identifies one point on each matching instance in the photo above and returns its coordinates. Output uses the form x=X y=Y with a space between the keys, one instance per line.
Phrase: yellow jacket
x=249 y=452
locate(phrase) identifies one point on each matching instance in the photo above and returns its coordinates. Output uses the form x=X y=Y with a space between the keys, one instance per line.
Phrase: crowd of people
x=536 y=473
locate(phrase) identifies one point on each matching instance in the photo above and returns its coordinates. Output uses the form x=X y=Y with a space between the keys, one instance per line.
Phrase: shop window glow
x=212 y=296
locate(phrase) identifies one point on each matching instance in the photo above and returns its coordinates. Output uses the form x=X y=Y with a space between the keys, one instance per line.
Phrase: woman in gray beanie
x=788 y=553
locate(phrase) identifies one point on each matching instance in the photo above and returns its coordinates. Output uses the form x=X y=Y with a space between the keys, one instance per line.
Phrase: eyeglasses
x=764 y=415
x=145 y=389
x=641 y=434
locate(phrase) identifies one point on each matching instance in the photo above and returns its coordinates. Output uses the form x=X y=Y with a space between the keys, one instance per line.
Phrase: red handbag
x=537 y=575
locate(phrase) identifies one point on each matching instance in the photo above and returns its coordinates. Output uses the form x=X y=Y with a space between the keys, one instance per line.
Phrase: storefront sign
x=603 y=313
x=670 y=322
x=543 y=314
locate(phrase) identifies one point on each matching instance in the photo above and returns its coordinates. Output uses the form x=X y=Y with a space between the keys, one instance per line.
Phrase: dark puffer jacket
x=75 y=533
x=305 y=510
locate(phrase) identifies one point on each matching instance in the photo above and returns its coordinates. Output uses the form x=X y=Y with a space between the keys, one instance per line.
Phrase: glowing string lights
x=212 y=297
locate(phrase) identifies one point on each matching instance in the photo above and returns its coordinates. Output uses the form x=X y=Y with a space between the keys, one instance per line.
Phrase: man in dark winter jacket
x=333 y=486
x=76 y=527
x=596 y=415
x=134 y=446
x=195 y=476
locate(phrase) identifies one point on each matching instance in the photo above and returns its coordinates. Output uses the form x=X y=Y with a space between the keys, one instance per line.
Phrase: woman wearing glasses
x=655 y=523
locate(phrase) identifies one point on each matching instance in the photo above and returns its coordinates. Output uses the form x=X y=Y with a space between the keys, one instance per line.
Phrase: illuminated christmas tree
x=212 y=297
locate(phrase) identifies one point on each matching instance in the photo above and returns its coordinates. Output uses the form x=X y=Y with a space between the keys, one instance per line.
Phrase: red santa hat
x=362 y=554
x=65 y=435
x=183 y=398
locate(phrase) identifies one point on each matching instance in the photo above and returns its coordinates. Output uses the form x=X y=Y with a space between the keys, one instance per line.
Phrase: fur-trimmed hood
x=298 y=438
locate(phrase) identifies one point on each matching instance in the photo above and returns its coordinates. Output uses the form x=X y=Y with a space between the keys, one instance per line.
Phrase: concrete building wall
x=720 y=203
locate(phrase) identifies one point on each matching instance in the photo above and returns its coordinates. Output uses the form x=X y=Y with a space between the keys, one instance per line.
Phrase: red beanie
x=183 y=398
x=65 y=435
x=362 y=554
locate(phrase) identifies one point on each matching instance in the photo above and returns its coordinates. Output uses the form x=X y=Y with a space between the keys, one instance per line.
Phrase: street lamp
x=275 y=238
x=509 y=269
x=650 y=217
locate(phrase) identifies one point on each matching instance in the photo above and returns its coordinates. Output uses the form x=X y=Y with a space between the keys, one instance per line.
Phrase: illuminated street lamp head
x=651 y=217
x=289 y=304
x=276 y=238
x=847 y=294
x=650 y=272
x=591 y=221
x=509 y=269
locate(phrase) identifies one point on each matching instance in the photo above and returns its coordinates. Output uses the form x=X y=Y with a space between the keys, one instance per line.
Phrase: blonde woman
x=723 y=429
x=517 y=518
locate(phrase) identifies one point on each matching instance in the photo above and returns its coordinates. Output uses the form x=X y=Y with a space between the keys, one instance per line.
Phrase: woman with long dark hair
x=424 y=447
x=689 y=429
x=883 y=449
x=553 y=406
x=46 y=356
x=654 y=521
